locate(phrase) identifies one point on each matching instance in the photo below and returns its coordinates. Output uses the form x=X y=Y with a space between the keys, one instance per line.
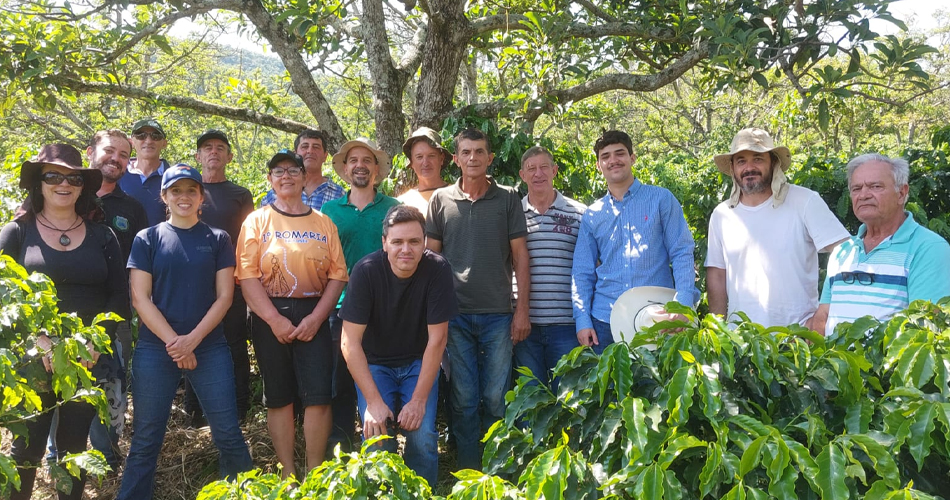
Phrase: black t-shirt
x=90 y=279
x=397 y=311
x=126 y=216
x=226 y=206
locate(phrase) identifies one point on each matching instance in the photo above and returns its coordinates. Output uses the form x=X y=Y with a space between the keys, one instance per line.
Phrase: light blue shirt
x=911 y=264
x=628 y=243
x=323 y=193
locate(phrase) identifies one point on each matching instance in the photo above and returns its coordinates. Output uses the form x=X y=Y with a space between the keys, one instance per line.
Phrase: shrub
x=28 y=307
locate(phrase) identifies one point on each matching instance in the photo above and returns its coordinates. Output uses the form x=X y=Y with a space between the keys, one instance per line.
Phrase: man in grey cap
x=765 y=239
x=144 y=179
x=358 y=216
x=427 y=158
x=225 y=207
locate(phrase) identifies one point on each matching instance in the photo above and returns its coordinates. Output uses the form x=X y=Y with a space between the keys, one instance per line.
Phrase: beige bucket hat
x=339 y=159
x=752 y=139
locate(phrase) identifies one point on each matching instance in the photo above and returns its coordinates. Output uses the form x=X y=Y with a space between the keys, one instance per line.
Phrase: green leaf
x=823 y=115
x=831 y=473
x=750 y=457
x=884 y=465
x=920 y=440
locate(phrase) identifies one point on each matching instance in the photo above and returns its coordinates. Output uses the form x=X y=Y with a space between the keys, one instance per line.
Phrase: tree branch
x=597 y=11
x=221 y=110
x=286 y=47
x=616 y=81
x=514 y=21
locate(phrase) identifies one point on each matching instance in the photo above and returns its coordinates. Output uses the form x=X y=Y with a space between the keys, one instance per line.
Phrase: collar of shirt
x=631 y=192
x=558 y=202
x=131 y=169
x=902 y=235
x=456 y=193
x=376 y=199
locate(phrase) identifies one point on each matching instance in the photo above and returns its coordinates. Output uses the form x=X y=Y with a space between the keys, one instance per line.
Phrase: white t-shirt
x=771 y=255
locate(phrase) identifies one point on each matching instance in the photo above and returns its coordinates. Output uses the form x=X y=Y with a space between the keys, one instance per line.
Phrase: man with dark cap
x=226 y=205
x=145 y=180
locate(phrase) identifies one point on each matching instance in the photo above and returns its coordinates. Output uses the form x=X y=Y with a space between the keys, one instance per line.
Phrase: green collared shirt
x=361 y=231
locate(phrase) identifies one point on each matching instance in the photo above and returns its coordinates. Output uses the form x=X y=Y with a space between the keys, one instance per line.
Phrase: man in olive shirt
x=479 y=227
x=358 y=216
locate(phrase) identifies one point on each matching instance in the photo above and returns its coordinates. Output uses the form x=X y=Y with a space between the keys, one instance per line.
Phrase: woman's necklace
x=63 y=239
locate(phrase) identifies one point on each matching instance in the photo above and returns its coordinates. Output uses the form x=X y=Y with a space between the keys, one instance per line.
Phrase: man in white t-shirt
x=765 y=239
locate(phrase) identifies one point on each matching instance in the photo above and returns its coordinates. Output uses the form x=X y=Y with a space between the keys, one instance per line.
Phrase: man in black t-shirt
x=225 y=207
x=398 y=303
x=109 y=152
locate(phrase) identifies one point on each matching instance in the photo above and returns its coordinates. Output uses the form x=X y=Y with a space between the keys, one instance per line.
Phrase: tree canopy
x=428 y=60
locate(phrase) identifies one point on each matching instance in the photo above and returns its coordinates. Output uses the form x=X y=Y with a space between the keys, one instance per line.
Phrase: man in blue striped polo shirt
x=892 y=261
x=636 y=235
x=554 y=221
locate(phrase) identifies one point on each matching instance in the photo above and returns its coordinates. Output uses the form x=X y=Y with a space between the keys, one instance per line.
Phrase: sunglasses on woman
x=56 y=178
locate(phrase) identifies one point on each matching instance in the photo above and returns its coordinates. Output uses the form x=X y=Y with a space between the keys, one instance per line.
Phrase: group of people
x=357 y=303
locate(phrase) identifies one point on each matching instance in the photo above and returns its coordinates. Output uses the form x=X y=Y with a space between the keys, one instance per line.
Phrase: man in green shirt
x=358 y=216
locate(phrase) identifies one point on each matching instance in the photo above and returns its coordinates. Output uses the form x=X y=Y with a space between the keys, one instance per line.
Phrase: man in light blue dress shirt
x=636 y=235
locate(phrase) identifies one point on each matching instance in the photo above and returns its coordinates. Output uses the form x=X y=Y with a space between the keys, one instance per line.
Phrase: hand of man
x=282 y=329
x=672 y=317
x=188 y=362
x=375 y=418
x=587 y=337
x=46 y=345
x=411 y=415
x=86 y=363
x=520 y=326
x=306 y=330
x=182 y=346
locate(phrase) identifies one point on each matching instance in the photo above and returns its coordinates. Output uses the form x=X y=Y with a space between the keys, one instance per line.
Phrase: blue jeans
x=544 y=347
x=604 y=337
x=480 y=349
x=154 y=382
x=396 y=386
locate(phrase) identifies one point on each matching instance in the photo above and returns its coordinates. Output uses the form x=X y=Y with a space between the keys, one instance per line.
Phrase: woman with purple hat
x=182 y=282
x=56 y=234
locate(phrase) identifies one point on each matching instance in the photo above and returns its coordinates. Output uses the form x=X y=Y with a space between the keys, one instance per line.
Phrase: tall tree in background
x=426 y=58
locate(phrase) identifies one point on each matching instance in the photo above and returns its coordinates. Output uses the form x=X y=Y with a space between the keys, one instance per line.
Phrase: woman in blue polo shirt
x=182 y=282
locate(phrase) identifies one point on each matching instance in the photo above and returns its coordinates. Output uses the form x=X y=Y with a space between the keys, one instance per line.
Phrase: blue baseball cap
x=179 y=172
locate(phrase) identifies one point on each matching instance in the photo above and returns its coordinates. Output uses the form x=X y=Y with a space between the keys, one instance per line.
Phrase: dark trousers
x=74 y=420
x=344 y=395
x=236 y=332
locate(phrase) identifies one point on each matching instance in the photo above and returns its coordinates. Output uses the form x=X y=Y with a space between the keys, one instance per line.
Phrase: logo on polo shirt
x=120 y=223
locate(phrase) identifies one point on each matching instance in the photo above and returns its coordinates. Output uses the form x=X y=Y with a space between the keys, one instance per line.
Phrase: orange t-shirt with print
x=294 y=256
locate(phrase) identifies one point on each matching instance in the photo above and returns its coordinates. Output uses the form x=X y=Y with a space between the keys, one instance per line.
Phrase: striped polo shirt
x=551 y=239
x=912 y=264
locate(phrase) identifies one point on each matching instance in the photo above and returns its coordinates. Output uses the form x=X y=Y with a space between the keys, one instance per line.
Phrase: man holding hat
x=225 y=207
x=427 y=158
x=145 y=170
x=635 y=235
x=311 y=145
x=358 y=216
x=765 y=239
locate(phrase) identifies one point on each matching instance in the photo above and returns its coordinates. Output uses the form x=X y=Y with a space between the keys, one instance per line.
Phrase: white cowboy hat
x=638 y=308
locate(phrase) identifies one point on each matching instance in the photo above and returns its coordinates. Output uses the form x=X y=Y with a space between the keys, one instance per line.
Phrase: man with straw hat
x=358 y=216
x=765 y=239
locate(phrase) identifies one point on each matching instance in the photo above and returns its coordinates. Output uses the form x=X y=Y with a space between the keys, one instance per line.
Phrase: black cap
x=148 y=122
x=212 y=134
x=284 y=154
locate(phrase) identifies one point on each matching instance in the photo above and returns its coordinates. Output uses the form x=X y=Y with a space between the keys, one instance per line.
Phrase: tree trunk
x=442 y=53
x=388 y=83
